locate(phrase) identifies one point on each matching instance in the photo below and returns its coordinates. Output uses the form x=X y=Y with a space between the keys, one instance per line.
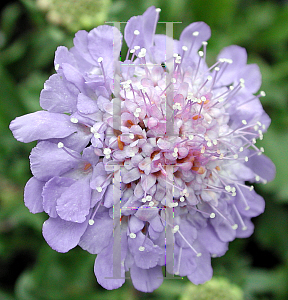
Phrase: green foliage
x=29 y=269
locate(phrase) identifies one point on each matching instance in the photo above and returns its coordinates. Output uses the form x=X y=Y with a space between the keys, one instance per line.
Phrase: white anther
x=184 y=191
x=142 y=52
x=144 y=200
x=203 y=149
x=136 y=47
x=158 y=10
x=97 y=135
x=57 y=67
x=173 y=80
x=235 y=156
x=217 y=69
x=175 y=229
x=257 y=178
x=246 y=158
x=138 y=109
x=262 y=149
x=215 y=142
x=201 y=53
x=256 y=127
x=199 y=254
x=107 y=151
x=175 y=55
x=228 y=188
x=209 y=144
x=182 y=199
x=204 y=43
x=184 y=48
x=132 y=51
x=132 y=235
x=235 y=226
x=178 y=59
x=136 y=32
x=141 y=248
x=131 y=136
x=176 y=149
x=60 y=145
x=151 y=203
x=149 y=198
x=254 y=141
x=233 y=190
x=247 y=207
x=241 y=149
x=174 y=154
x=136 y=114
x=203 y=98
x=242 y=80
x=262 y=94
x=99 y=189
x=231 y=87
x=209 y=77
x=251 y=188
x=244 y=228
x=100 y=59
x=221 y=99
x=233 y=194
x=190 y=137
x=195 y=33
x=91 y=222
x=221 y=156
x=212 y=215
x=74 y=120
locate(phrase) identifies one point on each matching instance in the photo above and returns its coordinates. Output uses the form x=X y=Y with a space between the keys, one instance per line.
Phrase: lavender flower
x=160 y=143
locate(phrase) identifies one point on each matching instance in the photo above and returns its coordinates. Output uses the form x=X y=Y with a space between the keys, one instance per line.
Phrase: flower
x=144 y=161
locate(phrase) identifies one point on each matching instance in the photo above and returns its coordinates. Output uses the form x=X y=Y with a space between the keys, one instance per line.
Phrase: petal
x=74 y=204
x=106 y=268
x=209 y=239
x=146 y=280
x=86 y=105
x=193 y=36
x=238 y=55
x=130 y=176
x=52 y=191
x=62 y=235
x=74 y=76
x=252 y=76
x=58 y=95
x=32 y=195
x=98 y=235
x=203 y=271
x=47 y=160
x=105 y=41
x=146 y=25
x=263 y=166
x=81 y=45
x=41 y=125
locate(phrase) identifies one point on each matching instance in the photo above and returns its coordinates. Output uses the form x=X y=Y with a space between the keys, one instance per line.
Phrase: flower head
x=144 y=161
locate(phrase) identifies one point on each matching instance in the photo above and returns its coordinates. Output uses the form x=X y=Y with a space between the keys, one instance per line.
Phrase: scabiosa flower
x=144 y=161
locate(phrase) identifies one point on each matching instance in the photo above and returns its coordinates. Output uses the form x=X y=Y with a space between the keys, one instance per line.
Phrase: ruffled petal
x=41 y=125
x=146 y=25
x=74 y=203
x=58 y=95
x=146 y=280
x=98 y=235
x=63 y=235
x=47 y=160
x=52 y=191
x=32 y=195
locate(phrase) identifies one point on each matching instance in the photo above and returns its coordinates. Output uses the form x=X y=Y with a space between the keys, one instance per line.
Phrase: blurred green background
x=29 y=35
